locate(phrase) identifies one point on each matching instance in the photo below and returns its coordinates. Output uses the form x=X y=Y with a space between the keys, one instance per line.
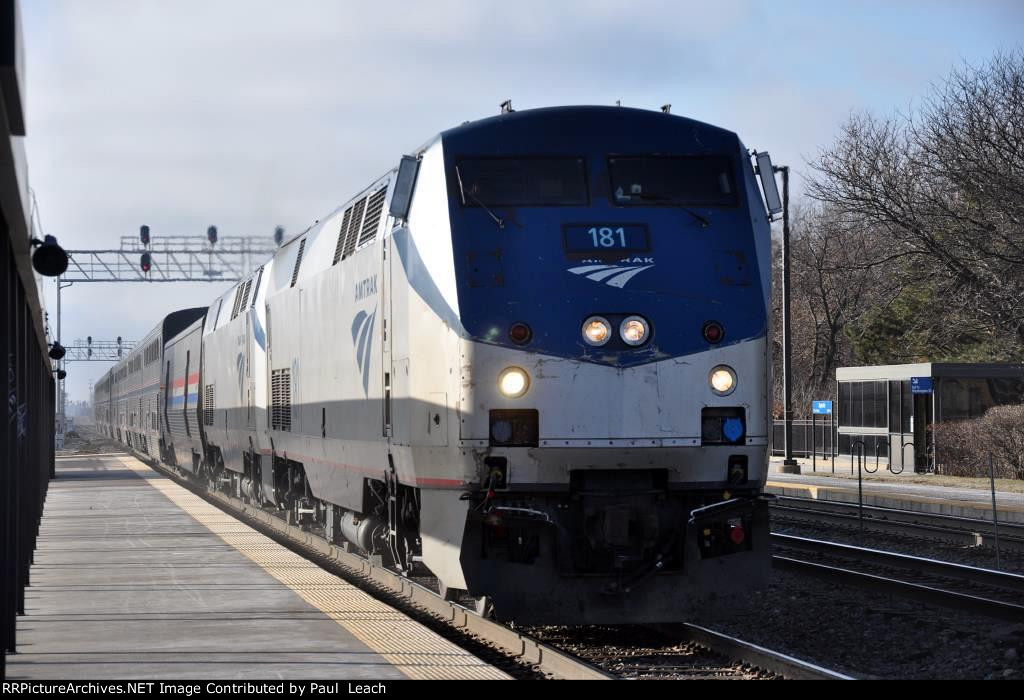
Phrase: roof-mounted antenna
x=506 y=107
x=666 y=109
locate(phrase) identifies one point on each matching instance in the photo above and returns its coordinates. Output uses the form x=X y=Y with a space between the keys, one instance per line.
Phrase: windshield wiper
x=665 y=198
x=476 y=200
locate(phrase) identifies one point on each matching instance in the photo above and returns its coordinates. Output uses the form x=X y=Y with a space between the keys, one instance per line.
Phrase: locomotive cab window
x=523 y=182
x=672 y=180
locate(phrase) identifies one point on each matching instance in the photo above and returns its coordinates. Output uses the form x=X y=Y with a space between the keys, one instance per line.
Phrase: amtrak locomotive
x=532 y=359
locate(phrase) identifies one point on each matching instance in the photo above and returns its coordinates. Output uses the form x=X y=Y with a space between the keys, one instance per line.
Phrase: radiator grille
x=238 y=300
x=209 y=404
x=371 y=222
x=354 y=226
x=245 y=296
x=256 y=289
x=345 y=221
x=298 y=262
x=281 y=399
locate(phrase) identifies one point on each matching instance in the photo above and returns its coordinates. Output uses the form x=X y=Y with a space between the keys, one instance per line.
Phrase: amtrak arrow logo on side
x=362 y=339
x=612 y=275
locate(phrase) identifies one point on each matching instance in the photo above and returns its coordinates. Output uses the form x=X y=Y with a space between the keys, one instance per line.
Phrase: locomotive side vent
x=238 y=300
x=281 y=399
x=354 y=226
x=374 y=207
x=298 y=262
x=345 y=220
x=256 y=289
x=209 y=403
x=245 y=296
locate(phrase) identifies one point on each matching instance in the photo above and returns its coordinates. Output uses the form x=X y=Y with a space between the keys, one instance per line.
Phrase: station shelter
x=887 y=410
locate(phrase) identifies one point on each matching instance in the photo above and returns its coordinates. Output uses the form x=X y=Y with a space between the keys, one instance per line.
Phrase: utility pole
x=789 y=465
x=61 y=415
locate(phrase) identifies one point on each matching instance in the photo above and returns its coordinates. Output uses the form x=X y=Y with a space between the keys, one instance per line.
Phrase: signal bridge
x=170 y=259
x=90 y=350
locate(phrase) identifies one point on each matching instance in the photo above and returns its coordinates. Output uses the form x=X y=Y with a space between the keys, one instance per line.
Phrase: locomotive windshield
x=672 y=180
x=523 y=182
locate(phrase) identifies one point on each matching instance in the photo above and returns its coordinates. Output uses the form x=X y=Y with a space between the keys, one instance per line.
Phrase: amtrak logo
x=612 y=275
x=240 y=368
x=362 y=339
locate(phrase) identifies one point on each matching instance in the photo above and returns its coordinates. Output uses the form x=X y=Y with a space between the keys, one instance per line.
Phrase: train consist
x=532 y=359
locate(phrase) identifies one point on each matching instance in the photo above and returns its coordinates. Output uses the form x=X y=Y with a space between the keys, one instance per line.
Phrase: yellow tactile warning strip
x=409 y=646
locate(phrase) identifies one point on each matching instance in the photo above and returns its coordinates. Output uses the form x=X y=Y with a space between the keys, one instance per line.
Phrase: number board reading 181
x=611 y=238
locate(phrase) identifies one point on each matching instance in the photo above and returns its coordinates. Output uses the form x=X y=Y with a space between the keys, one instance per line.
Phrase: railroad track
x=678 y=651
x=972 y=589
x=930 y=526
x=666 y=651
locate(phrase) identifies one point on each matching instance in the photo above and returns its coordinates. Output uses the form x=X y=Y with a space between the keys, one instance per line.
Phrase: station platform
x=137 y=578
x=967 y=498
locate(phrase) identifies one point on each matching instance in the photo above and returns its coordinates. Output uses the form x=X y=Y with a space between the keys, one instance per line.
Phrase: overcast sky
x=249 y=114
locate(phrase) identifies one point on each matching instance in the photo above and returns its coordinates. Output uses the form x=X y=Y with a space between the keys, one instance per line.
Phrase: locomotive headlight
x=722 y=380
x=596 y=330
x=513 y=382
x=634 y=330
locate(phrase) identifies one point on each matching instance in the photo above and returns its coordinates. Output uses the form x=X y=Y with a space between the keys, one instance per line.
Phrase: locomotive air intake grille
x=354 y=226
x=298 y=262
x=374 y=207
x=244 y=304
x=345 y=220
x=281 y=399
x=209 y=403
x=237 y=301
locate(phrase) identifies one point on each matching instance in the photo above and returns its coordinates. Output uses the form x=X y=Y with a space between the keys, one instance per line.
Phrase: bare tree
x=834 y=284
x=944 y=187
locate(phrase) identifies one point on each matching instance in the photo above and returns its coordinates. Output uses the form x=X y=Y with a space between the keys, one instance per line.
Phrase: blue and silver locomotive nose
x=609 y=289
x=624 y=242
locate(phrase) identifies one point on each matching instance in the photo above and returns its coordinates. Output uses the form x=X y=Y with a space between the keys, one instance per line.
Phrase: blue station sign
x=821 y=408
x=920 y=385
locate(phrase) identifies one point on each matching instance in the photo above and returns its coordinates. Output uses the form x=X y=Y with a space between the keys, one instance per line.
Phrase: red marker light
x=520 y=333
x=713 y=332
x=737 y=534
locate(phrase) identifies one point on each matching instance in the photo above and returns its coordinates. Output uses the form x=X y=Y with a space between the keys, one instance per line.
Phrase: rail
x=970 y=532
x=915 y=566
